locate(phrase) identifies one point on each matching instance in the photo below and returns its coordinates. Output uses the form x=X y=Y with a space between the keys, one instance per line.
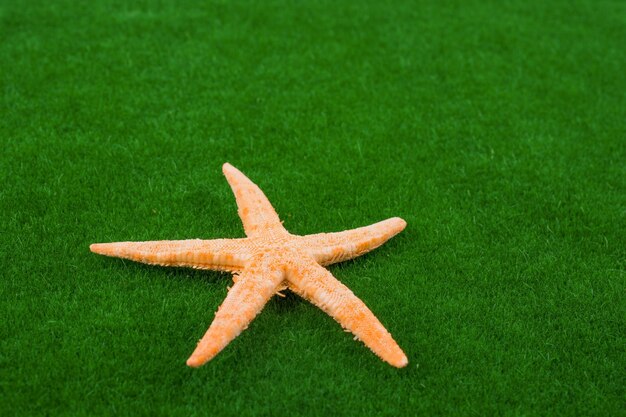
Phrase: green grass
x=495 y=128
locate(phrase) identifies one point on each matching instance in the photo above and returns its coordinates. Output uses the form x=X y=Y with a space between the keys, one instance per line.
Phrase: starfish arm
x=251 y=291
x=219 y=254
x=330 y=248
x=320 y=287
x=255 y=210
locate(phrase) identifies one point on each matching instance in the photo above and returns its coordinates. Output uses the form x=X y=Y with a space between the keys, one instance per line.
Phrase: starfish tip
x=401 y=223
x=108 y=249
x=194 y=362
x=96 y=248
x=404 y=361
x=228 y=167
x=232 y=174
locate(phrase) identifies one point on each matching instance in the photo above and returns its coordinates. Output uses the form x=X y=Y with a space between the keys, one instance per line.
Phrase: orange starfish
x=269 y=260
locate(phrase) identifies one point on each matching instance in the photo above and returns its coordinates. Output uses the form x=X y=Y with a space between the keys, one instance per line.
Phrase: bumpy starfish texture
x=269 y=260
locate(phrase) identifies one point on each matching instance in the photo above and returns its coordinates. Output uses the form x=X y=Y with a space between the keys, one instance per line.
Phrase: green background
x=495 y=128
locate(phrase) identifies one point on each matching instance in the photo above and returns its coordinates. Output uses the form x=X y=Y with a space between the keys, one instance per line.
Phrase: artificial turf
x=495 y=128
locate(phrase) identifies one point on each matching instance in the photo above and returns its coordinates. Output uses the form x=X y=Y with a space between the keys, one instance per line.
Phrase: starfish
x=267 y=261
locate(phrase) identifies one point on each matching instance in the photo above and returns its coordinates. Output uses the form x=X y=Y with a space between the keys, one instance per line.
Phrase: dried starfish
x=269 y=260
